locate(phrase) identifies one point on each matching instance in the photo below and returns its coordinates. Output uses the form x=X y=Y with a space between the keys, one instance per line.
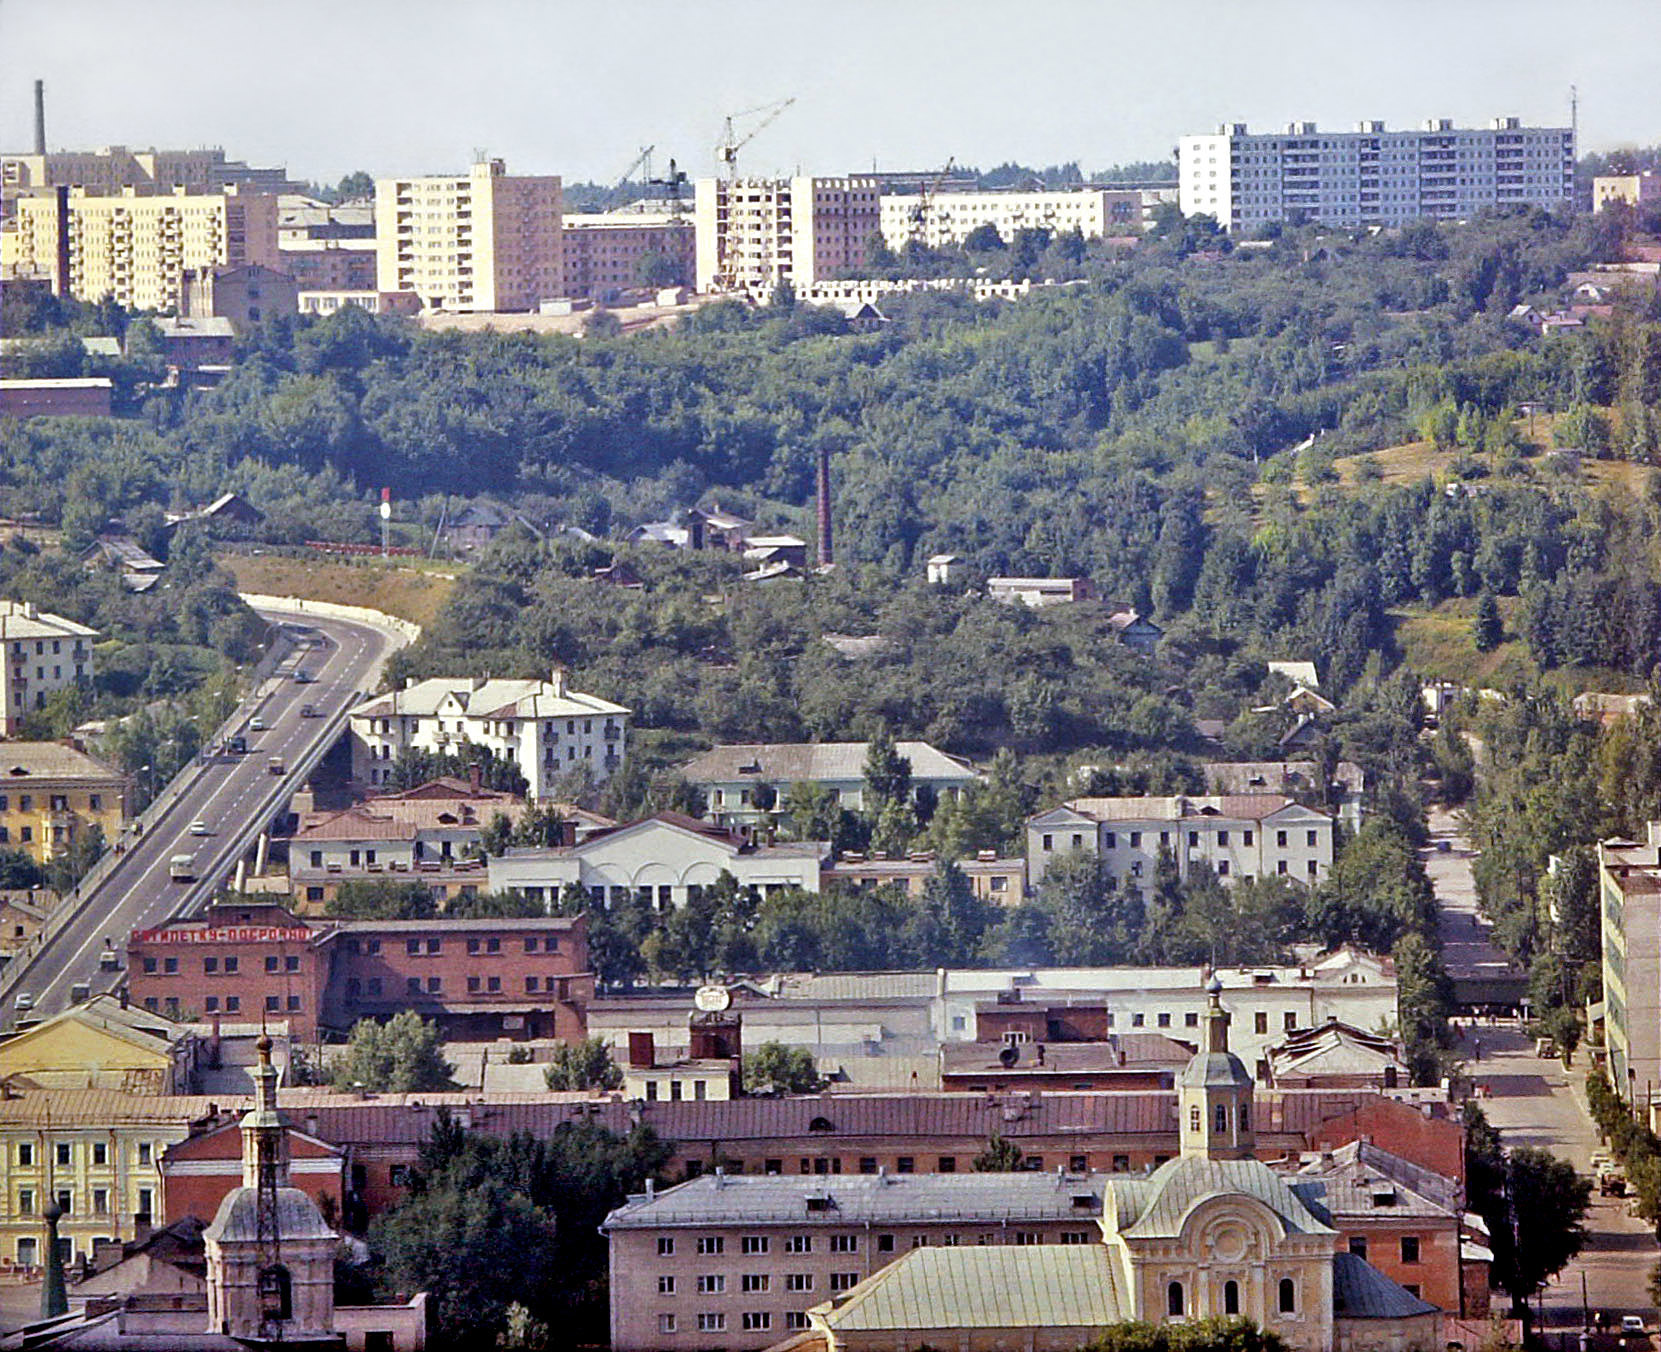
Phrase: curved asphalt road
x=345 y=658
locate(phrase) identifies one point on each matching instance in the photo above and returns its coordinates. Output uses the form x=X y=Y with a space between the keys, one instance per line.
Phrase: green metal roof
x=1156 y=1207
x=996 y=1287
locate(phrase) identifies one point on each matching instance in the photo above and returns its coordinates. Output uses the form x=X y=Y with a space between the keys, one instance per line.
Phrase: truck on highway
x=181 y=868
x=275 y=766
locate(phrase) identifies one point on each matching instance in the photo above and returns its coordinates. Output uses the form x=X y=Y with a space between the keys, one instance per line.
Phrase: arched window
x=1288 y=1296
x=1245 y=1117
x=1222 y=1118
x=1194 y=1118
x=1231 y=1297
x=1173 y=1299
x=276 y=1293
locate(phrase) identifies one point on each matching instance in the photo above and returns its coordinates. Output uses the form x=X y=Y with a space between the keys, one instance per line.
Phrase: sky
x=401 y=87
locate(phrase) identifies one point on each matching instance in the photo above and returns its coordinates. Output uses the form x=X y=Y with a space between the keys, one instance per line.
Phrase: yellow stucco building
x=52 y=796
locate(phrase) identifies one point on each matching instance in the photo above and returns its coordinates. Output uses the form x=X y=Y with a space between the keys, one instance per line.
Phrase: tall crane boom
x=925 y=202
x=726 y=150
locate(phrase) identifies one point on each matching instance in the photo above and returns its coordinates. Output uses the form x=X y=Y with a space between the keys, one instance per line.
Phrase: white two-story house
x=544 y=727
x=1248 y=835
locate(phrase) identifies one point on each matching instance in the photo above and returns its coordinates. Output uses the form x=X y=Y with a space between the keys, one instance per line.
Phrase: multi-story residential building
x=116 y=167
x=1372 y=176
x=63 y=397
x=740 y=1259
x=136 y=248
x=482 y=241
x=43 y=653
x=946 y=219
x=333 y=265
x=664 y=862
x=1265 y=1003
x=1635 y=190
x=369 y=301
x=516 y=978
x=753 y=233
x=1253 y=835
x=96 y=1154
x=1629 y=888
x=1296 y=779
x=244 y=295
x=605 y=253
x=544 y=727
x=54 y=797
x=745 y=784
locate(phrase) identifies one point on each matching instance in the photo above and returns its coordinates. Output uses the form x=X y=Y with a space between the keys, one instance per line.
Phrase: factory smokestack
x=40 y=117
x=822 y=503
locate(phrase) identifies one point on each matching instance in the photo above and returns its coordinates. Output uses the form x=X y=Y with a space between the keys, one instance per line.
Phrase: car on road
x=200 y=828
x=110 y=959
x=23 y=1001
x=257 y=725
x=1633 y=1323
x=309 y=711
x=181 y=868
x=276 y=766
x=237 y=746
x=304 y=678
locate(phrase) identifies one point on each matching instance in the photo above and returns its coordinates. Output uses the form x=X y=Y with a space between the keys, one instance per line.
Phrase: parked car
x=1632 y=1323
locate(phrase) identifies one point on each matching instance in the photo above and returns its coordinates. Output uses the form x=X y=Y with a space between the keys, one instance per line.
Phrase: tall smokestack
x=40 y=117
x=822 y=504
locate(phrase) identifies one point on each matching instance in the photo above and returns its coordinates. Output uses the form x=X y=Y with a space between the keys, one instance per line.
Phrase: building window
x=905 y=1164
x=1288 y=1296
x=1358 y=1246
x=1231 y=1297
x=1410 y=1248
x=753 y=1244
x=665 y=1246
x=1194 y=1118
x=1173 y=1300
x=666 y=1323
x=711 y=1244
x=844 y=1281
x=712 y=1323
x=666 y=1286
x=1260 y=1021
x=63 y=1154
x=754 y=1281
x=100 y=1153
x=844 y=1244
x=799 y=1244
x=947 y=1164
x=757 y=1319
x=798 y=1281
x=712 y=1284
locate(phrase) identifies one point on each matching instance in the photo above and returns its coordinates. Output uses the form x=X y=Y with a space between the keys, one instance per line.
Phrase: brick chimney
x=475 y=776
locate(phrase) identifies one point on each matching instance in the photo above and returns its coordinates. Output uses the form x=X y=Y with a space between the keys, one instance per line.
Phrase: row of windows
x=1110 y=839
x=229 y=1004
x=63 y=1154
x=230 y=965
x=1409 y=1248
x=1286 y=1298
x=57 y=802
x=431 y=945
x=753 y=1321
x=19 y=649
x=709 y=1246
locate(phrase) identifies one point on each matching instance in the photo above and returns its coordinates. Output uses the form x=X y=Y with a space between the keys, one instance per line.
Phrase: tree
x=887 y=773
x=1488 y=629
x=1547 y=1202
x=774 y=1068
x=583 y=1065
x=381 y=899
x=400 y=1056
x=984 y=238
x=1001 y=1156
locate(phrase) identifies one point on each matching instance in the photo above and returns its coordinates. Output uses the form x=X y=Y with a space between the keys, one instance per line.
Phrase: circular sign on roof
x=712 y=999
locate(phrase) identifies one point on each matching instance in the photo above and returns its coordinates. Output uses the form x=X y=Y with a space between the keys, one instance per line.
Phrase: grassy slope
x=410 y=593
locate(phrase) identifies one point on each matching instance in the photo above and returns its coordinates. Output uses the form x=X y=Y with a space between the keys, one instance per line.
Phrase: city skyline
x=554 y=88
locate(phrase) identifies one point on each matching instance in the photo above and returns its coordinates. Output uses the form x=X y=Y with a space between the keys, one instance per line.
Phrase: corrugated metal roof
x=1045 y=1286
x=854 y=1199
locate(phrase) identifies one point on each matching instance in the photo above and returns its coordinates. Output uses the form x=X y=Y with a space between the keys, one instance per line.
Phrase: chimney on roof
x=475 y=776
x=556 y=678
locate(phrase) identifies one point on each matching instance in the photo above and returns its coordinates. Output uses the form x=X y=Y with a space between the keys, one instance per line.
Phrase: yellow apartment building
x=484 y=241
x=51 y=796
x=134 y=246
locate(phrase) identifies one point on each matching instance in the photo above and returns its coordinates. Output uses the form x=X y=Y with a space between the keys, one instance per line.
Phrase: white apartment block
x=1241 y=836
x=754 y=233
x=950 y=217
x=1372 y=176
x=43 y=653
x=543 y=727
x=136 y=247
x=484 y=241
x=1349 y=985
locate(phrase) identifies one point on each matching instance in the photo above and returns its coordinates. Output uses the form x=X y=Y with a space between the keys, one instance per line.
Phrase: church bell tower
x=1214 y=1093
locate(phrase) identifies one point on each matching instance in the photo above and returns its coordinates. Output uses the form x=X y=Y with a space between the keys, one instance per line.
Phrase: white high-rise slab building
x=1372 y=176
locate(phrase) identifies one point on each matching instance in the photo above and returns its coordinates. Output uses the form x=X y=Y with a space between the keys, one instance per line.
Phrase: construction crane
x=642 y=161
x=671 y=185
x=726 y=150
x=925 y=203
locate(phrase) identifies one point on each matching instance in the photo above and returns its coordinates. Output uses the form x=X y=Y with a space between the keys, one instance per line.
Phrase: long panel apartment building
x=483 y=241
x=946 y=219
x=1372 y=175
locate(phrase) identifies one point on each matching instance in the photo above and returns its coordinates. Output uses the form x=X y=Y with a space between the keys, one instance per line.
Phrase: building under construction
x=754 y=233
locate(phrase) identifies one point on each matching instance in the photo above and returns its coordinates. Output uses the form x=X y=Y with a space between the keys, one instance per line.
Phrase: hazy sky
x=555 y=86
